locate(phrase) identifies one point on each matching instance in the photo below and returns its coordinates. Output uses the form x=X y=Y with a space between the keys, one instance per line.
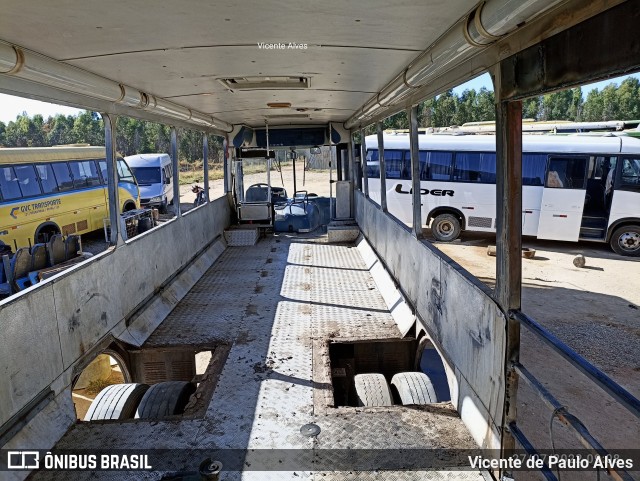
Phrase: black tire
x=445 y=228
x=626 y=241
x=162 y=208
x=372 y=390
x=117 y=402
x=165 y=399
x=413 y=388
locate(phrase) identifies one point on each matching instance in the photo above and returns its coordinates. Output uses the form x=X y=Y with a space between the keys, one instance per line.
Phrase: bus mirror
x=315 y=150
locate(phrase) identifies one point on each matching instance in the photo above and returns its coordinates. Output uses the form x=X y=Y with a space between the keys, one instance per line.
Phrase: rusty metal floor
x=278 y=303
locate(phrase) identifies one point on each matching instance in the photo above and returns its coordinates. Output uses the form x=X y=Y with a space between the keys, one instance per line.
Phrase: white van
x=155 y=179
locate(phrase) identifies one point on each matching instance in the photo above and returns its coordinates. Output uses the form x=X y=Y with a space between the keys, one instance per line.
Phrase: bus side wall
x=459 y=315
x=48 y=328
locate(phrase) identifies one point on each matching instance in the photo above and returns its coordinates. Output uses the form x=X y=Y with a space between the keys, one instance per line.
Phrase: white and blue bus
x=574 y=187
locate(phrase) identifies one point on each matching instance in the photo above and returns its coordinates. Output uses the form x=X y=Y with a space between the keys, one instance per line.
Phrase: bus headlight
x=156 y=199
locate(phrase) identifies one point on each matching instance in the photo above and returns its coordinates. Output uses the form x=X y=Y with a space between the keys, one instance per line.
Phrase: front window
x=124 y=173
x=147 y=175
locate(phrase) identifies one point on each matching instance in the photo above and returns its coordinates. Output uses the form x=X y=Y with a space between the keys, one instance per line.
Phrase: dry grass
x=98 y=385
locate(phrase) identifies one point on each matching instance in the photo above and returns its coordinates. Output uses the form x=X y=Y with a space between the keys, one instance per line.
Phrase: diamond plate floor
x=278 y=303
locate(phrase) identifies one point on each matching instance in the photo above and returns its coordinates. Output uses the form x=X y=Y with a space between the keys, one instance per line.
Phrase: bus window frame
x=619 y=183
x=454 y=165
x=13 y=199
x=452 y=152
x=53 y=175
x=584 y=157
x=66 y=163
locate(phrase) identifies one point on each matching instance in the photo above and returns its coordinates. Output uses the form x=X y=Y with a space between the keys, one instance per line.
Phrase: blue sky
x=10 y=106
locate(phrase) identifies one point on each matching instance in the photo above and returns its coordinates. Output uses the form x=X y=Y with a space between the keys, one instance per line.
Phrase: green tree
x=593 y=109
x=25 y=131
x=629 y=99
x=445 y=109
x=88 y=128
x=485 y=106
x=59 y=130
x=531 y=108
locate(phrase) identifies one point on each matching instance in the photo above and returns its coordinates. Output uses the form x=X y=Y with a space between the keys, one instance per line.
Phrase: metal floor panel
x=278 y=303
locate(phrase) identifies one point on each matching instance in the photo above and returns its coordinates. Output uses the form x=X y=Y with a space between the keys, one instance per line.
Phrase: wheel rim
x=445 y=229
x=629 y=241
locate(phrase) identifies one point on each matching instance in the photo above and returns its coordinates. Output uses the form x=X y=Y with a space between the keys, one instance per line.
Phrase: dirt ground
x=595 y=310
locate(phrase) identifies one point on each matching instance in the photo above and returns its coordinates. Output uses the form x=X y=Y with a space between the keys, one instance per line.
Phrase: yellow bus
x=57 y=190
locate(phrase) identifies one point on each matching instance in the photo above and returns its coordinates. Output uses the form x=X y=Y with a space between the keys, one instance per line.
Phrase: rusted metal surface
x=112 y=185
x=509 y=244
x=601 y=47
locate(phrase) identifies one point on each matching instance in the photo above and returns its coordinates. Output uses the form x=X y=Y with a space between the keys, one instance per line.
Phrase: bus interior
x=249 y=341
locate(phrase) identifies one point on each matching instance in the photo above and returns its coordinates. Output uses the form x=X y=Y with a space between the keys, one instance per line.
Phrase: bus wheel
x=445 y=227
x=626 y=241
x=128 y=206
x=43 y=234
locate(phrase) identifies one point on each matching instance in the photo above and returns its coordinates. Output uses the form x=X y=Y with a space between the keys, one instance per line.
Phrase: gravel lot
x=595 y=310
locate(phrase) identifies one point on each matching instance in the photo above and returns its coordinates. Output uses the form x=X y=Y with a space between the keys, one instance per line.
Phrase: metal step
x=592 y=233
x=592 y=222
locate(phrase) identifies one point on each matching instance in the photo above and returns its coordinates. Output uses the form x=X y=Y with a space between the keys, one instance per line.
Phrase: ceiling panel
x=177 y=49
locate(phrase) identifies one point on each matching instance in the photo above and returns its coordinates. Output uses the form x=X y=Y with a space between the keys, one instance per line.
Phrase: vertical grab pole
x=363 y=162
x=352 y=161
x=383 y=169
x=266 y=123
x=415 y=172
x=350 y=172
x=110 y=132
x=331 y=203
x=176 y=172
x=225 y=165
x=509 y=243
x=205 y=161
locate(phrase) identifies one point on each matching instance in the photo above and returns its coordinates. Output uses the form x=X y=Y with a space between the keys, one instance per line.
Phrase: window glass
x=147 y=175
x=566 y=173
x=124 y=173
x=475 y=167
x=373 y=164
x=9 y=187
x=394 y=164
x=103 y=171
x=85 y=173
x=435 y=165
x=631 y=172
x=27 y=179
x=47 y=179
x=61 y=171
x=533 y=169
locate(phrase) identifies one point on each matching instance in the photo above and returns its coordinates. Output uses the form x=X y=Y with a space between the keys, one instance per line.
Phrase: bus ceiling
x=215 y=68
